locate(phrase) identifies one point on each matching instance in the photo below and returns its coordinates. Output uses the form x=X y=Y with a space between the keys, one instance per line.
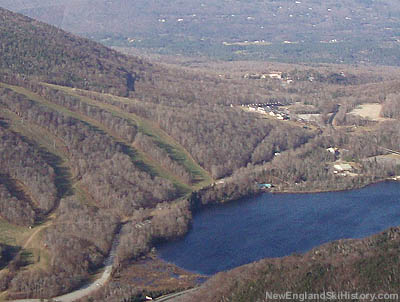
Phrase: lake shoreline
x=201 y=206
x=238 y=214
x=204 y=207
x=316 y=191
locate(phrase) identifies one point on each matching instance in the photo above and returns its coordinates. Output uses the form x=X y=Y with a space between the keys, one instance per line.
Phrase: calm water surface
x=275 y=225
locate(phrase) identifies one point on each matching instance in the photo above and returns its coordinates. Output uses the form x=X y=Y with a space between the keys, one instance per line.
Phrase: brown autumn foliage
x=124 y=203
x=95 y=157
x=26 y=179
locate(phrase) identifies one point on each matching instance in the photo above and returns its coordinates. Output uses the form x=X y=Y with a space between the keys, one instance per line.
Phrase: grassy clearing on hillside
x=37 y=256
x=53 y=151
x=28 y=241
x=12 y=234
x=160 y=137
x=50 y=148
x=140 y=159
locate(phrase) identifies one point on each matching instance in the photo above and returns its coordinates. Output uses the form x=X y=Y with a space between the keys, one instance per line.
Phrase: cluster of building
x=272 y=110
x=339 y=168
x=257 y=76
x=342 y=169
x=265 y=186
x=142 y=224
x=277 y=75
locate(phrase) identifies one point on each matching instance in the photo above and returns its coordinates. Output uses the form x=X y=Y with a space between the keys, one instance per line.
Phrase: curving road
x=88 y=288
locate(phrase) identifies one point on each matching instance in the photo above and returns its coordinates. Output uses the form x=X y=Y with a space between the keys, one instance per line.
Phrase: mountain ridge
x=32 y=48
x=345 y=31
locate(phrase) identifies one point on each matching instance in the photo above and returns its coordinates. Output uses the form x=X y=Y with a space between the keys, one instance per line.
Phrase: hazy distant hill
x=32 y=48
x=308 y=30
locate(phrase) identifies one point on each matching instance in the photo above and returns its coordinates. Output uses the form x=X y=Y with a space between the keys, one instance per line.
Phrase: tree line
x=23 y=167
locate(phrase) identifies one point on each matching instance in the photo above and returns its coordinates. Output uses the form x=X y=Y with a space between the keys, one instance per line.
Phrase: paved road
x=88 y=288
x=80 y=293
x=173 y=296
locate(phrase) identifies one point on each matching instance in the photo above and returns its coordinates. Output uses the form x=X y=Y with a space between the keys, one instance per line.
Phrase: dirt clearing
x=371 y=111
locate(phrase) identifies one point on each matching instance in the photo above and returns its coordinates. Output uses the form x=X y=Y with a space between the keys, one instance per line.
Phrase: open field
x=13 y=235
x=390 y=159
x=370 y=111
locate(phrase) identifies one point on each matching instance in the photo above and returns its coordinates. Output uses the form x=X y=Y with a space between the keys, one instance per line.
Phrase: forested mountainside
x=333 y=31
x=355 y=266
x=31 y=48
x=88 y=165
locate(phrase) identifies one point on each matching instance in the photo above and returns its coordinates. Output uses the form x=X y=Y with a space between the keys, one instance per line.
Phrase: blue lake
x=276 y=225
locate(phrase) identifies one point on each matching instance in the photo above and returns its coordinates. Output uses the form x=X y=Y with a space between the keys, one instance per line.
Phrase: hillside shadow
x=135 y=158
x=4 y=124
x=181 y=159
x=13 y=188
x=63 y=177
x=63 y=174
x=7 y=254
x=127 y=150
